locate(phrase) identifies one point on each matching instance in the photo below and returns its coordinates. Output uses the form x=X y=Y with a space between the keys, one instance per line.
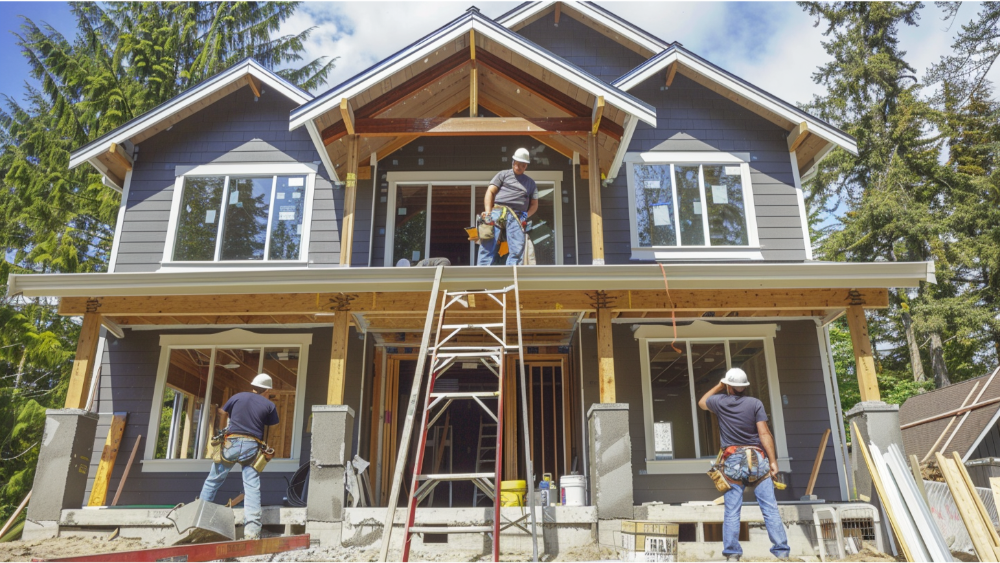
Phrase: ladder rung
x=450 y=350
x=466 y=395
x=455 y=476
x=450 y=529
x=475 y=325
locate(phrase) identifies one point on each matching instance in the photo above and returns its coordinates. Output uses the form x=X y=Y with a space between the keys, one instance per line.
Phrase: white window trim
x=250 y=169
x=476 y=179
x=227 y=339
x=703 y=331
x=705 y=252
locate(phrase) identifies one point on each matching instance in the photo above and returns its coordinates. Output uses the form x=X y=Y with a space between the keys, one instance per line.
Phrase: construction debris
x=977 y=521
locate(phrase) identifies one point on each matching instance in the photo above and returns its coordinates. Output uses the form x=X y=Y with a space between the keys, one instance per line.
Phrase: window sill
x=698 y=253
x=231 y=266
x=203 y=465
x=693 y=466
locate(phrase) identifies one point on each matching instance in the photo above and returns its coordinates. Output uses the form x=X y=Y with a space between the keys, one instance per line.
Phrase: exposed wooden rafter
x=473 y=77
x=797 y=136
x=472 y=126
x=347 y=114
x=596 y=114
x=254 y=85
x=671 y=73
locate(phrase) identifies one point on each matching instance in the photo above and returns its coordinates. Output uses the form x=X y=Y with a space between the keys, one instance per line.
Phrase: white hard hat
x=262 y=380
x=736 y=378
x=522 y=155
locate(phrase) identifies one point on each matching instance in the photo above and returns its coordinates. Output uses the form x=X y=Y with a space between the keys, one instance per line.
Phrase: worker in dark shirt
x=510 y=199
x=249 y=413
x=747 y=459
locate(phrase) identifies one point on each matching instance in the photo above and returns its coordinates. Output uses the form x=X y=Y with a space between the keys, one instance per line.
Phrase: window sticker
x=661 y=214
x=281 y=195
x=697 y=208
x=651 y=184
x=234 y=197
x=402 y=211
x=416 y=256
x=298 y=229
x=296 y=195
x=286 y=215
x=293 y=182
x=720 y=195
x=210 y=216
x=732 y=170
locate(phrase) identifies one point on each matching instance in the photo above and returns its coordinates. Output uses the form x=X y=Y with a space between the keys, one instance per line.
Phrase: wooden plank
x=994 y=488
x=128 y=468
x=474 y=90
x=596 y=214
x=863 y=358
x=350 y=202
x=987 y=521
x=880 y=489
x=671 y=73
x=83 y=364
x=347 y=115
x=338 y=358
x=951 y=413
x=471 y=126
x=13 y=517
x=978 y=530
x=188 y=430
x=596 y=114
x=918 y=477
x=558 y=12
x=99 y=492
x=254 y=85
x=797 y=136
x=123 y=158
x=548 y=140
x=817 y=462
x=605 y=356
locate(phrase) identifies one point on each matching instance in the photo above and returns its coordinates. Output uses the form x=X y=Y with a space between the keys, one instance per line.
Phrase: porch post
x=596 y=216
x=863 y=359
x=83 y=364
x=338 y=358
x=350 y=197
x=605 y=355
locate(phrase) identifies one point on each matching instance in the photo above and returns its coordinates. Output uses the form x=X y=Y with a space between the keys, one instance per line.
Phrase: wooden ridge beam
x=286 y=304
x=254 y=85
x=472 y=126
x=798 y=136
x=671 y=73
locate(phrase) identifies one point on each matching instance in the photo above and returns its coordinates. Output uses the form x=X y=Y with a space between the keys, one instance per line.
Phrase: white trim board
x=119 y=223
x=801 y=200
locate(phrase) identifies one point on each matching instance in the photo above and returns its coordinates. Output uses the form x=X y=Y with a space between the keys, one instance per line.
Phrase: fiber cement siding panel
x=236 y=129
x=806 y=416
x=128 y=378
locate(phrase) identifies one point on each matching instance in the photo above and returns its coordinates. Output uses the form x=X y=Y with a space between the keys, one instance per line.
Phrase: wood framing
x=83 y=364
x=473 y=89
x=254 y=85
x=558 y=13
x=596 y=113
x=471 y=126
x=123 y=158
x=596 y=215
x=797 y=136
x=863 y=358
x=605 y=356
x=338 y=358
x=350 y=202
x=102 y=480
x=671 y=73
x=347 y=114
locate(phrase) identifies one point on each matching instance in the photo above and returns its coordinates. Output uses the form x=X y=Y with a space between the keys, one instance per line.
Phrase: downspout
x=837 y=415
x=585 y=462
x=371 y=231
x=576 y=227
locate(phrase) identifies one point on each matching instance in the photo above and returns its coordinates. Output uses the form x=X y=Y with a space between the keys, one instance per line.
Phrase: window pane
x=654 y=205
x=183 y=398
x=198 y=223
x=689 y=196
x=709 y=362
x=542 y=226
x=286 y=226
x=749 y=356
x=727 y=225
x=410 y=235
x=246 y=218
x=282 y=364
x=671 y=395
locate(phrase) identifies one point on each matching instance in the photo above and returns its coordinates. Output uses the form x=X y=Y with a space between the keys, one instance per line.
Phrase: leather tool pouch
x=715 y=473
x=215 y=447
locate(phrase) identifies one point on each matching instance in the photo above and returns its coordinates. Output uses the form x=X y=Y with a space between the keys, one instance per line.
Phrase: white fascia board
x=321 y=149
x=184 y=100
x=827 y=275
x=616 y=164
x=666 y=59
x=527 y=12
x=986 y=430
x=588 y=9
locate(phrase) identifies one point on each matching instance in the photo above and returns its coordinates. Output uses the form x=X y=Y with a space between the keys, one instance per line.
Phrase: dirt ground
x=64 y=547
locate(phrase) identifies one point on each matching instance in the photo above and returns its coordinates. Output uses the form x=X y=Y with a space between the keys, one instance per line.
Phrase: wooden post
x=338 y=358
x=596 y=216
x=350 y=197
x=818 y=462
x=606 y=356
x=83 y=365
x=99 y=492
x=473 y=77
x=863 y=359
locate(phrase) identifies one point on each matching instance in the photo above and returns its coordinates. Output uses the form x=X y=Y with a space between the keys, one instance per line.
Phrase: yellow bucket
x=512 y=493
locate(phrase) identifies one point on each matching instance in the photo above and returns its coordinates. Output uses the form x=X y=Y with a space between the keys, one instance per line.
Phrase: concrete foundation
x=332 y=443
x=610 y=460
x=61 y=474
x=877 y=422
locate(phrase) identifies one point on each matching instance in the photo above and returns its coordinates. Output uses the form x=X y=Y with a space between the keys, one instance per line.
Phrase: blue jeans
x=764 y=492
x=243 y=450
x=515 y=241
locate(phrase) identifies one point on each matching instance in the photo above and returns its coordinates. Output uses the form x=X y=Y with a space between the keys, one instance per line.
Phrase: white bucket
x=573 y=490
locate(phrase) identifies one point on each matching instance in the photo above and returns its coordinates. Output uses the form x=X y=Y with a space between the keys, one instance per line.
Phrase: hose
x=298 y=487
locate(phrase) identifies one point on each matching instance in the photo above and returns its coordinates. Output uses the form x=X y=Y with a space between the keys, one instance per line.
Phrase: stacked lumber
x=916 y=533
x=977 y=521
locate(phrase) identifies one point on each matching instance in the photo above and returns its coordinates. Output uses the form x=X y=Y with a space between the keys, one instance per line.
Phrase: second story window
x=240 y=218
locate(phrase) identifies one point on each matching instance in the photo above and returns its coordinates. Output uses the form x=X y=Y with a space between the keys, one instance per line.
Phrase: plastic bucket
x=512 y=493
x=573 y=490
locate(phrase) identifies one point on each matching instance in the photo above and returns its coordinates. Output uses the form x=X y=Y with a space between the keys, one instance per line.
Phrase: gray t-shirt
x=516 y=190
x=738 y=418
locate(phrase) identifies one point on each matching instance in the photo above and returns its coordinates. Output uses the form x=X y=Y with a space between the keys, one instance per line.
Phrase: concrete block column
x=63 y=465
x=610 y=460
x=332 y=444
x=877 y=422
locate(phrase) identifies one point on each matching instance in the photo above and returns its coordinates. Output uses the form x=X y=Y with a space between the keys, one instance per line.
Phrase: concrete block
x=332 y=443
x=610 y=460
x=63 y=463
x=877 y=422
x=39 y=530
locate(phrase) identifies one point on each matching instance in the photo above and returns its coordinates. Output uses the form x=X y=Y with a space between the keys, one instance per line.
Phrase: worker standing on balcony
x=511 y=198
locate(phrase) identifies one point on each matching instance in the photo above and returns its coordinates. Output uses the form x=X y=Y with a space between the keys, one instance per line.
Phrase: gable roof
x=193 y=99
x=767 y=105
x=472 y=20
x=589 y=14
x=923 y=434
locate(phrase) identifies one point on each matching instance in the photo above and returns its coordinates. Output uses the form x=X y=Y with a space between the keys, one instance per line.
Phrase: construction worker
x=249 y=413
x=511 y=198
x=747 y=458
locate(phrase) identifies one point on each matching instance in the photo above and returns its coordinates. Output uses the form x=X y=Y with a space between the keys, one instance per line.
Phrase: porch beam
x=547 y=140
x=596 y=214
x=596 y=114
x=83 y=364
x=350 y=199
x=285 y=304
x=400 y=142
x=605 y=356
x=338 y=358
x=347 y=114
x=798 y=136
x=471 y=126
x=863 y=359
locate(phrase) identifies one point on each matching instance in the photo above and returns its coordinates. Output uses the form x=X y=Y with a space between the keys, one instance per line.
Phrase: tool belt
x=264 y=452
x=748 y=467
